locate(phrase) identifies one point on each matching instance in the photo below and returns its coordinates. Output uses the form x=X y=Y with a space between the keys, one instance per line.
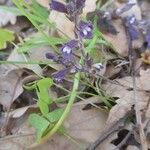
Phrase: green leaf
x=38 y=41
x=39 y=123
x=43 y=107
x=5 y=36
x=40 y=10
x=54 y=115
x=42 y=90
x=43 y=86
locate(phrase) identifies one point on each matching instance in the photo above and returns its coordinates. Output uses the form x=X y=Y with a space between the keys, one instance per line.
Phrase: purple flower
x=52 y=56
x=147 y=37
x=58 y=6
x=86 y=30
x=98 y=66
x=131 y=24
x=80 y=4
x=60 y=75
x=67 y=50
x=125 y=8
x=105 y=23
x=72 y=8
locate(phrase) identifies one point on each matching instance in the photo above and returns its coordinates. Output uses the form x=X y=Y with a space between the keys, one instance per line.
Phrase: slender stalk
x=66 y=112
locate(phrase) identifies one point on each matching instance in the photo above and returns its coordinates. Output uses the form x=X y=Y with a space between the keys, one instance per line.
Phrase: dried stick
x=136 y=102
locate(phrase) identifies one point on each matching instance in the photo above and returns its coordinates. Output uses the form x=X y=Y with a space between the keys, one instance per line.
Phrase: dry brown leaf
x=10 y=78
x=142 y=82
x=15 y=56
x=111 y=71
x=10 y=86
x=21 y=111
x=7 y=17
x=85 y=125
x=145 y=7
x=20 y=140
x=38 y=54
x=132 y=147
x=144 y=79
x=119 y=41
x=125 y=99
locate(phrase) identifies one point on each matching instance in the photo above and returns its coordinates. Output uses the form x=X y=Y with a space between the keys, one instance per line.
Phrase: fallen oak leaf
x=8 y=82
x=125 y=99
x=7 y=17
x=85 y=125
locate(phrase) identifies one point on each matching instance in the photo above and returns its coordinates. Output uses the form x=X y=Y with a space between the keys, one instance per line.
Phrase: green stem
x=67 y=110
x=18 y=3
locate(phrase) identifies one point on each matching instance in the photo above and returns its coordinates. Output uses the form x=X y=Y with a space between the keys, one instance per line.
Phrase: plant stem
x=66 y=112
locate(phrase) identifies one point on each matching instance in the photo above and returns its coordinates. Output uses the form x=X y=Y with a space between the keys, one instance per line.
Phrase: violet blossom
x=67 y=50
x=83 y=30
x=86 y=30
x=131 y=24
x=147 y=37
x=60 y=75
x=125 y=8
x=71 y=9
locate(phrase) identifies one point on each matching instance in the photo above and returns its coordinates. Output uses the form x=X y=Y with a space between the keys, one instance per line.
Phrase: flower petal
x=131 y=24
x=80 y=4
x=51 y=56
x=58 y=6
x=60 y=75
x=148 y=37
x=125 y=8
x=67 y=49
x=86 y=29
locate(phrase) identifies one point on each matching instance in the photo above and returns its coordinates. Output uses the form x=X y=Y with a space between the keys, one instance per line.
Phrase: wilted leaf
x=85 y=125
x=10 y=86
x=20 y=140
x=6 y=36
x=23 y=62
x=7 y=17
x=119 y=41
x=125 y=100
x=142 y=82
x=132 y=147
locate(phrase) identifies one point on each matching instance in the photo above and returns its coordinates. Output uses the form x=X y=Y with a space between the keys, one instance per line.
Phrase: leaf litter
x=83 y=127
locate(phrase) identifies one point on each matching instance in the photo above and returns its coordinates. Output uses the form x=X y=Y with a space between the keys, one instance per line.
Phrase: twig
x=138 y=117
x=136 y=102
